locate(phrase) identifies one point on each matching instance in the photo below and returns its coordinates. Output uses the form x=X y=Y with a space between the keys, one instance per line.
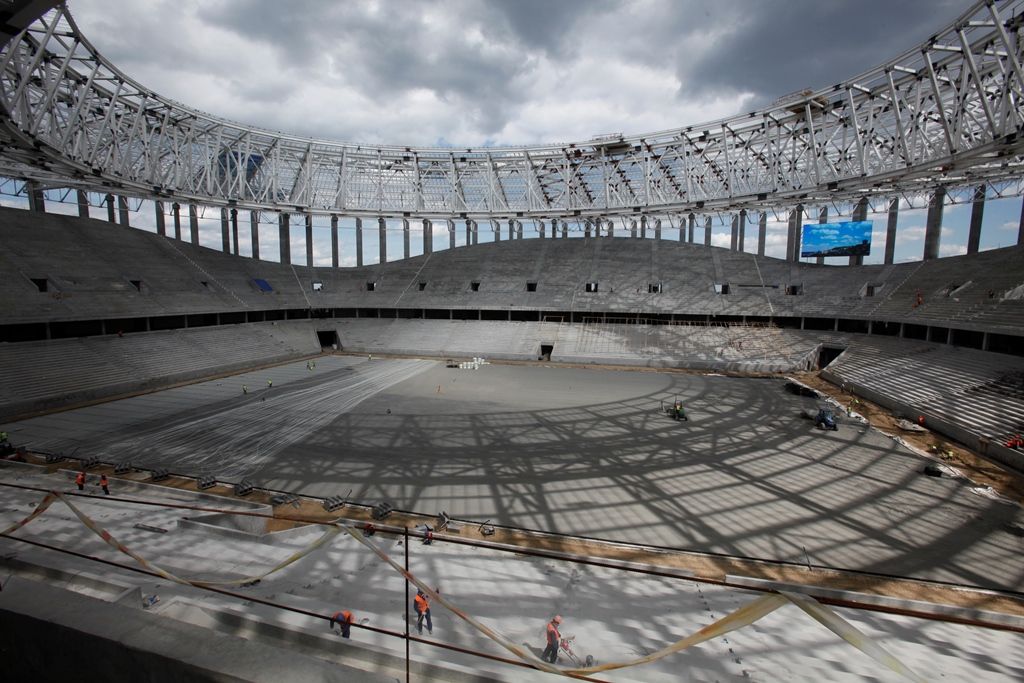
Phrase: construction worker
x=344 y=619
x=104 y=484
x=270 y=383
x=422 y=611
x=677 y=411
x=554 y=638
x=80 y=480
x=3 y=437
x=245 y=389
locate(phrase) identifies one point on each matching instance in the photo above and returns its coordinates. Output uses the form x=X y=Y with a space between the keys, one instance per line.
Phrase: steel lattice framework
x=948 y=112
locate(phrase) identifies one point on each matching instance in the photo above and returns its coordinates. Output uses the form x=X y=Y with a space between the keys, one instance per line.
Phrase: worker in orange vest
x=345 y=619
x=554 y=638
x=422 y=611
x=80 y=480
x=104 y=484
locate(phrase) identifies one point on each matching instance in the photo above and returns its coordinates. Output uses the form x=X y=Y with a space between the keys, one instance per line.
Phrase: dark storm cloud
x=774 y=47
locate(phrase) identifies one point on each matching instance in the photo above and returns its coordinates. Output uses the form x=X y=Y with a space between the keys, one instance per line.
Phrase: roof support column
x=742 y=229
x=176 y=213
x=565 y=230
x=122 y=210
x=977 y=213
x=428 y=236
x=735 y=237
x=519 y=230
x=657 y=228
x=109 y=201
x=382 y=228
x=586 y=228
x=762 y=232
x=511 y=229
x=284 y=232
x=611 y=228
x=822 y=218
x=691 y=221
x=796 y=219
x=158 y=213
x=1020 y=229
x=193 y=224
x=359 y=242
x=36 y=200
x=890 y=229
x=335 y=245
x=83 y=203
x=469 y=232
x=643 y=227
x=860 y=213
x=707 y=231
x=451 y=232
x=632 y=228
x=540 y=228
x=234 y=231
x=405 y=238
x=254 y=233
x=496 y=229
x=225 y=236
x=933 y=224
x=309 y=240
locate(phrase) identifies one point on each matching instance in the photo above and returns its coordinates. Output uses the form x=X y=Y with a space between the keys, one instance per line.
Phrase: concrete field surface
x=574 y=450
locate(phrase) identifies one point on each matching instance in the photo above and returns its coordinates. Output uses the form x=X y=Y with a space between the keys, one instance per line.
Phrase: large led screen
x=850 y=238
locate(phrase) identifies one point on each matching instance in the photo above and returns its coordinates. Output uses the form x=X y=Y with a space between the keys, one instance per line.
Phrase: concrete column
x=382 y=227
x=476 y=232
x=822 y=218
x=109 y=200
x=234 y=231
x=586 y=228
x=742 y=229
x=735 y=237
x=796 y=219
x=565 y=230
x=519 y=230
x=611 y=227
x=977 y=213
x=691 y=221
x=284 y=236
x=428 y=236
x=469 y=232
x=359 y=241
x=158 y=213
x=451 y=233
x=933 y=224
x=890 y=230
x=405 y=238
x=335 y=246
x=632 y=228
x=309 y=240
x=643 y=227
x=860 y=213
x=496 y=229
x=193 y=224
x=1020 y=229
x=707 y=231
x=657 y=228
x=36 y=200
x=540 y=228
x=511 y=229
x=122 y=210
x=225 y=235
x=83 y=203
x=762 y=232
x=176 y=213
x=254 y=233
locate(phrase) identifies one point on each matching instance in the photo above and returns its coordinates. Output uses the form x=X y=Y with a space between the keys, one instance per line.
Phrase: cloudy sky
x=473 y=72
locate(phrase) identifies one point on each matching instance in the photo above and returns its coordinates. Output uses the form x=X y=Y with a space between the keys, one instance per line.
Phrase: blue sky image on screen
x=849 y=238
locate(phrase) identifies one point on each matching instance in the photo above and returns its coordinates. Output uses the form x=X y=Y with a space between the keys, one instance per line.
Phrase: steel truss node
x=947 y=113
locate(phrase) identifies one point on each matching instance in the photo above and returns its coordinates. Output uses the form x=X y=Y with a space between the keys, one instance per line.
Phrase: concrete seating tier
x=50 y=374
x=978 y=392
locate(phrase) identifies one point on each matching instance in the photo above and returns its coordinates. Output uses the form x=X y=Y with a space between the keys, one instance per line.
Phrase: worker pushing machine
x=422 y=604
x=553 y=640
x=344 y=619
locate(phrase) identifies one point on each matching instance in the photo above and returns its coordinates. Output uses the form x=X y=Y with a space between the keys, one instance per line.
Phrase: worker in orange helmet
x=80 y=480
x=554 y=637
x=345 y=619
x=105 y=484
x=422 y=605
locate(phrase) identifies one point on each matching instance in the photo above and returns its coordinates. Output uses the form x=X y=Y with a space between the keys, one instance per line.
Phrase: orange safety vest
x=103 y=480
x=422 y=604
x=553 y=635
